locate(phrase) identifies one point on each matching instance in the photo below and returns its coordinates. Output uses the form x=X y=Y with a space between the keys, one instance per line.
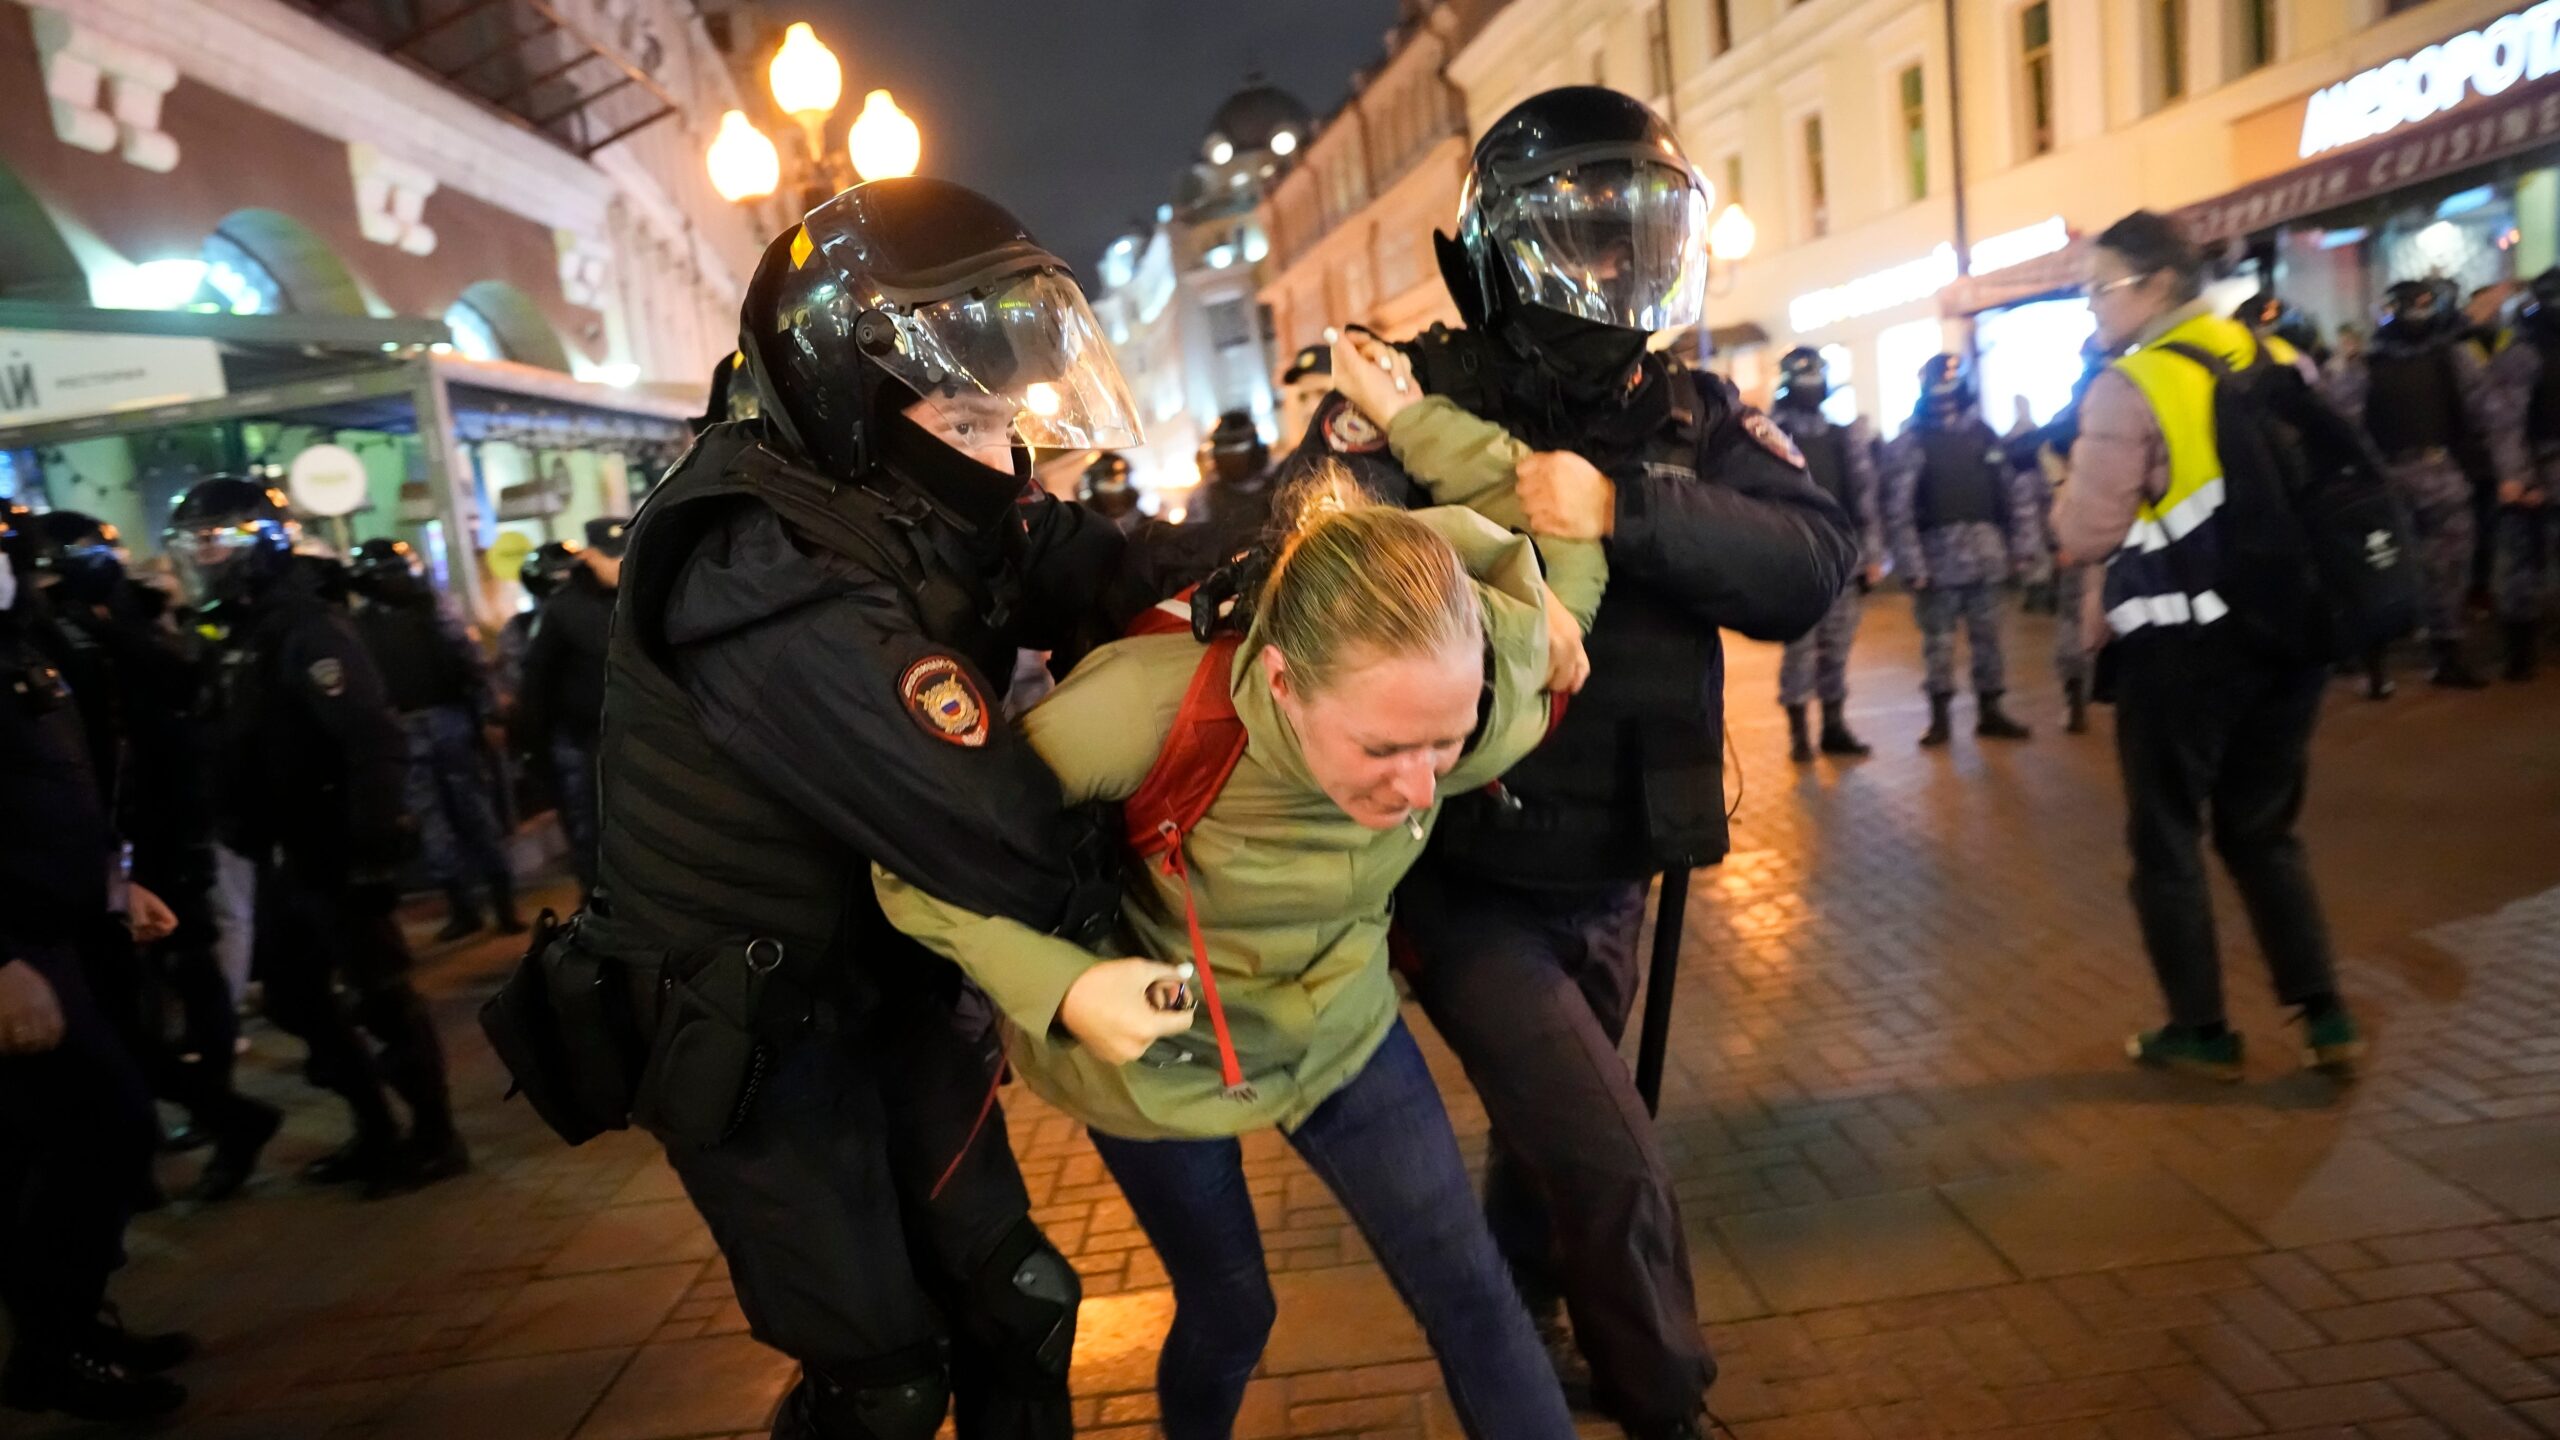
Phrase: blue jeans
x=573 y=781
x=1382 y=1145
x=449 y=793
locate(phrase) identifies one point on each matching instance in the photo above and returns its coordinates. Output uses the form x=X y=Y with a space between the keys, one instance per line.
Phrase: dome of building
x=1253 y=119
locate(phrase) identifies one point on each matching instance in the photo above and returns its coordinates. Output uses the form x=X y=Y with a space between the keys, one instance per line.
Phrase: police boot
x=362 y=1160
x=502 y=905
x=242 y=1134
x=1836 y=736
x=2377 y=674
x=1993 y=723
x=462 y=917
x=79 y=1378
x=2452 y=671
x=1799 y=739
x=2520 y=647
x=1940 y=730
x=2075 y=698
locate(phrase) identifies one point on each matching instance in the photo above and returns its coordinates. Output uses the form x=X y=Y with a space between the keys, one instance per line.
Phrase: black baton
x=1667 y=917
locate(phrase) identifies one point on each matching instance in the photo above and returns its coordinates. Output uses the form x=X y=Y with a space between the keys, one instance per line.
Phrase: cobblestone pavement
x=1926 y=1195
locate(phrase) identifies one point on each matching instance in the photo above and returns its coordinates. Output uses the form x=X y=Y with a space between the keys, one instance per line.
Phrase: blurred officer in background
x=1838 y=458
x=561 y=704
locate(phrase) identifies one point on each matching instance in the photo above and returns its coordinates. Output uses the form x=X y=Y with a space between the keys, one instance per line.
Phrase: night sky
x=1079 y=115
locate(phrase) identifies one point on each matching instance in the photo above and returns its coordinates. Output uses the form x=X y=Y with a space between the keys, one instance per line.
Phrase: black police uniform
x=817 y=612
x=76 y=1126
x=144 y=691
x=1524 y=913
x=310 y=784
x=560 y=705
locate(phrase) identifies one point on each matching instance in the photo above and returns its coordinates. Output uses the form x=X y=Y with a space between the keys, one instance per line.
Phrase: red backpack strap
x=1165 y=617
x=1203 y=750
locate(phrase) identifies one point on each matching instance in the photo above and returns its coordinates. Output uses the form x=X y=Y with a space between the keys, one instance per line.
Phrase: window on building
x=2256 y=43
x=1817 y=182
x=1230 y=323
x=2394 y=7
x=1600 y=67
x=2035 y=76
x=1719 y=26
x=2169 y=38
x=474 y=337
x=1733 y=178
x=1915 y=131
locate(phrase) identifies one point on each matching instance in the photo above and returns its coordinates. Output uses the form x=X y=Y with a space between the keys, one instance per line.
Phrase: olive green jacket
x=1293 y=894
x=1464 y=459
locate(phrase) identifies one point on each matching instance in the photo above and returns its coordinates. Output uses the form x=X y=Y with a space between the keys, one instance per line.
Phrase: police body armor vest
x=694 y=851
x=1960 y=478
x=2411 y=405
x=419 y=670
x=1826 y=457
x=1632 y=782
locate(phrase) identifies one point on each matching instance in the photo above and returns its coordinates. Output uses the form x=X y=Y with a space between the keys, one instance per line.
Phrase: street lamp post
x=807 y=84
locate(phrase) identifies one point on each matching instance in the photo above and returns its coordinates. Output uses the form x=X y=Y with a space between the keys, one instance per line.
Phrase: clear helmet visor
x=1019 y=360
x=1620 y=242
x=206 y=558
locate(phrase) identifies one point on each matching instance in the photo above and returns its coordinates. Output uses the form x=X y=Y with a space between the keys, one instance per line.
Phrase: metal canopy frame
x=523 y=59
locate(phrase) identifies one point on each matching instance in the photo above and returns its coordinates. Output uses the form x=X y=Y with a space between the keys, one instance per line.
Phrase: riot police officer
x=560 y=702
x=2524 y=391
x=308 y=781
x=440 y=686
x=75 y=1117
x=135 y=675
x=2416 y=389
x=1840 y=461
x=1961 y=521
x=819 y=608
x=544 y=568
x=1107 y=491
x=1235 y=485
x=1581 y=232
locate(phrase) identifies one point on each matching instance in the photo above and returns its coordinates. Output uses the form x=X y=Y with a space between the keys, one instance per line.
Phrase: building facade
x=258 y=195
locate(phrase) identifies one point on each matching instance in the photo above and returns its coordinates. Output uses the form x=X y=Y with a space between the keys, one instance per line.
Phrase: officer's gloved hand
x=1219 y=589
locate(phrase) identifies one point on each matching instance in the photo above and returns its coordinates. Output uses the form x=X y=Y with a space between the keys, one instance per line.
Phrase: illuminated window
x=237 y=281
x=1915 y=133
x=2035 y=75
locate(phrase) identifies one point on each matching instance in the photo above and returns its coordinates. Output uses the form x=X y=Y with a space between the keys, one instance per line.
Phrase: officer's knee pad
x=827 y=1408
x=1026 y=1297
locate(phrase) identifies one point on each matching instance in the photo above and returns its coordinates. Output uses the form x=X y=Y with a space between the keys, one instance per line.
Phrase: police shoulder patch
x=1772 y=439
x=1348 y=432
x=329 y=676
x=944 y=702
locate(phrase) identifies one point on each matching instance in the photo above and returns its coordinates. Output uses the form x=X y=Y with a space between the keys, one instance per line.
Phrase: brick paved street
x=1926 y=1194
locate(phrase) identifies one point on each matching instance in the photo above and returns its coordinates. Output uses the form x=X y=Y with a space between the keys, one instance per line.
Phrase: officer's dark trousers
x=315 y=928
x=76 y=1137
x=1532 y=989
x=2205 y=727
x=194 y=1070
x=872 y=1214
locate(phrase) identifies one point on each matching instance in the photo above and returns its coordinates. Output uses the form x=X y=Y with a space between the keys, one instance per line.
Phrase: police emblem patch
x=1772 y=439
x=1349 y=432
x=329 y=676
x=944 y=701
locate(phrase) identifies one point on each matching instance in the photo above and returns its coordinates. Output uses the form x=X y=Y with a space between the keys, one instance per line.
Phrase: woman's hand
x=30 y=1015
x=1566 y=496
x=148 y=916
x=1109 y=1010
x=1568 y=663
x=1374 y=376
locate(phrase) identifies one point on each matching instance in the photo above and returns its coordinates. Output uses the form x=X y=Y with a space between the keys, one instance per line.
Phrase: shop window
x=2169 y=42
x=1914 y=111
x=2030 y=352
x=1839 y=367
x=1817 y=182
x=1900 y=352
x=1719 y=26
x=2254 y=43
x=2035 y=77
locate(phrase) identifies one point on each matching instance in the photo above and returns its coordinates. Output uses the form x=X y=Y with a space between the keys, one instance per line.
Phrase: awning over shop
x=2484 y=130
x=2044 y=277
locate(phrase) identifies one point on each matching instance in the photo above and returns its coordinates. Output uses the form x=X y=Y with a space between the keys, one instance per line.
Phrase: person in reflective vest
x=2205 y=720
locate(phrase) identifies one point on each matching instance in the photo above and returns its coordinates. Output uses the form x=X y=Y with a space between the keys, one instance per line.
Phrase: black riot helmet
x=1946 y=388
x=548 y=567
x=1107 y=476
x=1236 y=448
x=2539 y=315
x=916 y=288
x=80 y=556
x=388 y=570
x=1580 y=203
x=2416 y=310
x=1802 y=377
x=231 y=539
